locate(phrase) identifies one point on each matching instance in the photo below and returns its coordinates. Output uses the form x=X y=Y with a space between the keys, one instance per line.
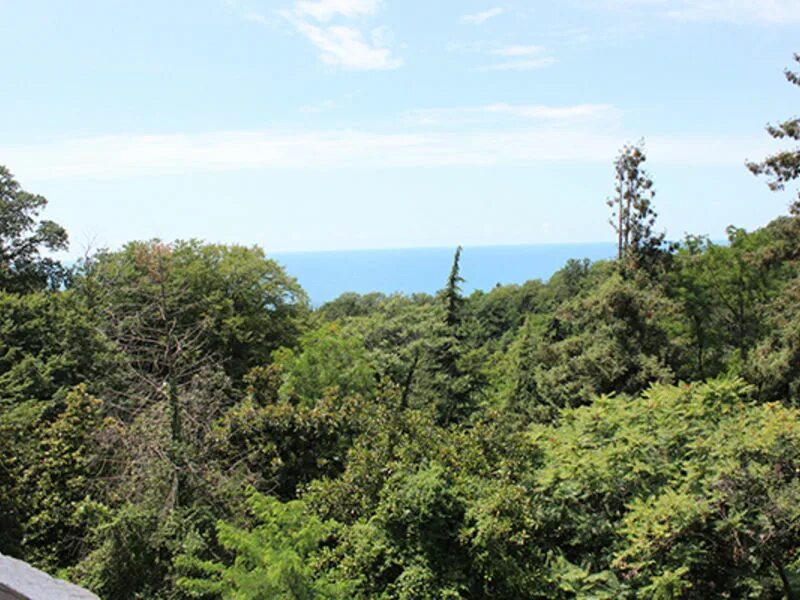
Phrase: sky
x=354 y=124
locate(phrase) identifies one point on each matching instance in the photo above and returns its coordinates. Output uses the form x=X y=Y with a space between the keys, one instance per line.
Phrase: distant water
x=326 y=275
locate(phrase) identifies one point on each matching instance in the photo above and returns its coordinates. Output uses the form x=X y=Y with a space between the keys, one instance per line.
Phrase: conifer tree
x=450 y=383
x=633 y=216
x=784 y=166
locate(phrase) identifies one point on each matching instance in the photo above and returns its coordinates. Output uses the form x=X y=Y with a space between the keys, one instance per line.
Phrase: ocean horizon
x=325 y=275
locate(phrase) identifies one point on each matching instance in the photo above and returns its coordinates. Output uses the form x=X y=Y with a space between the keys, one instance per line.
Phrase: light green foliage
x=686 y=491
x=62 y=483
x=275 y=559
x=729 y=293
x=351 y=304
x=330 y=361
x=395 y=337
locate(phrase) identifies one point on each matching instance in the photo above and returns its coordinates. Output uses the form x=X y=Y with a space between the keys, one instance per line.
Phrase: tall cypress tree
x=450 y=385
x=453 y=301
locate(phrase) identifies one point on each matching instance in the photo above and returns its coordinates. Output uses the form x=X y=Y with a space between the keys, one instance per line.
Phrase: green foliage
x=276 y=558
x=23 y=238
x=277 y=445
x=613 y=339
x=62 y=484
x=775 y=364
x=176 y=422
x=784 y=166
x=633 y=216
x=332 y=361
x=50 y=344
x=685 y=491
x=351 y=304
x=230 y=302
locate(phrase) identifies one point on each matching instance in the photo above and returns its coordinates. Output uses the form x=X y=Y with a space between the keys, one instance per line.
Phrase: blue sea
x=326 y=275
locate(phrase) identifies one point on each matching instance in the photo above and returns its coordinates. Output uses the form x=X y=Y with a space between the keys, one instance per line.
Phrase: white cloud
x=344 y=44
x=499 y=112
x=739 y=11
x=766 y=11
x=124 y=156
x=520 y=65
x=325 y=10
x=481 y=17
x=538 y=111
x=519 y=51
x=256 y=17
x=521 y=58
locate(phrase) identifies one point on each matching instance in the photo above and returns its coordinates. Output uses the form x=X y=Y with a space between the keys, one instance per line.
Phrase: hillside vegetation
x=177 y=422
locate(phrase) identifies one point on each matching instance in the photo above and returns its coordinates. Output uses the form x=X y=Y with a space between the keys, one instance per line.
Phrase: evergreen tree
x=453 y=301
x=633 y=216
x=450 y=384
x=783 y=167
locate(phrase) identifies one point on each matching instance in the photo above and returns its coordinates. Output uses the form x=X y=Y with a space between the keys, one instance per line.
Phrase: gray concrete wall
x=20 y=581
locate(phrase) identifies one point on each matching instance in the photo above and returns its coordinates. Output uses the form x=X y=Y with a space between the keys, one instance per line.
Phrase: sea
x=327 y=275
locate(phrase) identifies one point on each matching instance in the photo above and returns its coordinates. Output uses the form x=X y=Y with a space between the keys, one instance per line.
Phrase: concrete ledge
x=20 y=581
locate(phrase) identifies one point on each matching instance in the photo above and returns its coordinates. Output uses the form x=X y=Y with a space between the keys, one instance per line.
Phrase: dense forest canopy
x=176 y=421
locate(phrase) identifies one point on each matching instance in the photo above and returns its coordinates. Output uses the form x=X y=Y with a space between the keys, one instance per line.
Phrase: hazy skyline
x=340 y=124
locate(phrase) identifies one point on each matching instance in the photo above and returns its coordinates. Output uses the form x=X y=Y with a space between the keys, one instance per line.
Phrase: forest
x=177 y=421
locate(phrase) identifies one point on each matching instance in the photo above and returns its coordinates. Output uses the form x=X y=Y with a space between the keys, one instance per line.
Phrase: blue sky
x=338 y=124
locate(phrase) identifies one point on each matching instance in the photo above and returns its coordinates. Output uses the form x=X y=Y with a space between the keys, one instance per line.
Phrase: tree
x=783 y=167
x=633 y=216
x=449 y=383
x=275 y=559
x=686 y=491
x=63 y=483
x=23 y=238
x=451 y=295
x=330 y=360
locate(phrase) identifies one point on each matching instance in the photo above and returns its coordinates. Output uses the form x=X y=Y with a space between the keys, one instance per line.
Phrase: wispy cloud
x=125 y=156
x=766 y=11
x=346 y=43
x=518 y=51
x=481 y=17
x=499 y=112
x=519 y=58
x=540 y=111
x=325 y=10
x=739 y=11
x=256 y=17
x=319 y=107
x=346 y=46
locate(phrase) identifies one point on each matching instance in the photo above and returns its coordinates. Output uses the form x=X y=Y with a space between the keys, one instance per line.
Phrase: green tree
x=330 y=361
x=447 y=381
x=783 y=167
x=50 y=343
x=685 y=491
x=275 y=559
x=62 y=484
x=613 y=339
x=633 y=216
x=23 y=238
